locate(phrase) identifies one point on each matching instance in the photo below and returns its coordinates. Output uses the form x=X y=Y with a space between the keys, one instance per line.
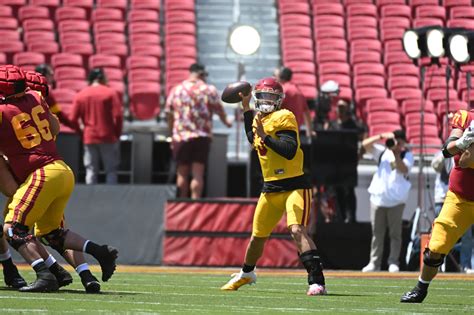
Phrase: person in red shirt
x=294 y=100
x=457 y=214
x=27 y=133
x=99 y=109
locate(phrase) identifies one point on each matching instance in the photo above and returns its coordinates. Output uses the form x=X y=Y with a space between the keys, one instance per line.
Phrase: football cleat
x=316 y=289
x=45 y=282
x=91 y=284
x=12 y=278
x=63 y=277
x=414 y=296
x=107 y=261
x=240 y=279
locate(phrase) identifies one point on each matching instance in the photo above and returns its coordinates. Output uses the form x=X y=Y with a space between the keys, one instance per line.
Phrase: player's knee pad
x=18 y=235
x=55 y=239
x=432 y=262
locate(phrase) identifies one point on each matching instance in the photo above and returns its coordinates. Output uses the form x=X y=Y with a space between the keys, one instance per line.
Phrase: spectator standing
x=189 y=107
x=388 y=191
x=345 y=194
x=99 y=110
x=294 y=100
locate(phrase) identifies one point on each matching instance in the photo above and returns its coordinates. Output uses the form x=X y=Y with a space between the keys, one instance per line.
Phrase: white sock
x=50 y=261
x=6 y=255
x=37 y=261
x=85 y=246
x=82 y=267
x=423 y=281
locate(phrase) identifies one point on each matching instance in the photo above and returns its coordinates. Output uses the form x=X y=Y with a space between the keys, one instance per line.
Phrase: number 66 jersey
x=25 y=135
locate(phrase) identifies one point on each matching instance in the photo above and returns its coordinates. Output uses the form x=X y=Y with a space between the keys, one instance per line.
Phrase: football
x=231 y=91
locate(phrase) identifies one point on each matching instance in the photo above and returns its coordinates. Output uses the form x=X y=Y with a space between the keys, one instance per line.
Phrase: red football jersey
x=25 y=136
x=461 y=180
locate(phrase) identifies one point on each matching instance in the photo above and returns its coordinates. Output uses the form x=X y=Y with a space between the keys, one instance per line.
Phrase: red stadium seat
x=179 y=63
x=403 y=82
x=286 y=20
x=429 y=131
x=364 y=94
x=9 y=24
x=28 y=58
x=110 y=37
x=37 y=25
x=144 y=38
x=113 y=74
x=381 y=105
x=145 y=4
x=362 y=9
x=188 y=28
x=147 y=50
x=392 y=34
x=67 y=73
x=116 y=49
x=73 y=26
x=181 y=16
x=102 y=61
x=439 y=94
x=10 y=35
x=109 y=26
x=462 y=12
x=142 y=62
x=328 y=20
x=107 y=14
x=70 y=13
x=38 y=36
x=116 y=4
x=331 y=56
x=369 y=80
x=402 y=94
x=66 y=59
x=179 y=6
x=306 y=43
x=331 y=44
x=143 y=16
x=301 y=66
x=309 y=92
x=432 y=145
x=394 y=22
x=362 y=45
x=290 y=8
x=403 y=70
x=365 y=57
x=396 y=10
x=144 y=100
x=456 y=3
x=351 y=2
x=64 y=95
x=363 y=33
x=381 y=3
x=361 y=21
x=75 y=85
x=144 y=75
x=143 y=27
x=33 y=12
x=304 y=79
x=85 y=4
x=75 y=37
x=183 y=40
x=454 y=106
x=465 y=23
x=430 y=11
x=6 y=11
x=416 y=3
x=117 y=85
x=380 y=118
x=414 y=118
x=437 y=82
x=83 y=49
x=334 y=67
x=328 y=9
x=369 y=68
x=46 y=48
x=378 y=129
x=329 y=32
x=396 y=57
x=52 y=5
x=393 y=45
x=188 y=51
x=14 y=4
x=416 y=106
x=422 y=22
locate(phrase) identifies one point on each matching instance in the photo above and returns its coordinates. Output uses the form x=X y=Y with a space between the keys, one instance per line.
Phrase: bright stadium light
x=460 y=47
x=410 y=44
x=435 y=43
x=244 y=40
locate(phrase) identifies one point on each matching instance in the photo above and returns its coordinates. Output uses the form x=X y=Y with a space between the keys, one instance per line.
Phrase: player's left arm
x=285 y=145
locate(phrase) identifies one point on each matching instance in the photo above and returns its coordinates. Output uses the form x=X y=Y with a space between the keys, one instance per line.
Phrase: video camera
x=328 y=91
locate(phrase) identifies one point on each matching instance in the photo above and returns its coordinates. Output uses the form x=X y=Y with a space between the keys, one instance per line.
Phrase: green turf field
x=197 y=292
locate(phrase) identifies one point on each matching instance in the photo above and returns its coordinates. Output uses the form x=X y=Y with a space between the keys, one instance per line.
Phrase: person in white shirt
x=388 y=191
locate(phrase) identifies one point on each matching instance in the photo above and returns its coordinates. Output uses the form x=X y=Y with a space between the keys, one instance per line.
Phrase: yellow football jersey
x=275 y=166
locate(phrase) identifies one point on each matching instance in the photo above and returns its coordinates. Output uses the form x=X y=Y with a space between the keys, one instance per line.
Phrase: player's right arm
x=8 y=184
x=53 y=124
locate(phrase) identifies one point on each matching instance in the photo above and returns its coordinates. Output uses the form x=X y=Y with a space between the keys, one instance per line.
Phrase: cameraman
x=327 y=99
x=388 y=191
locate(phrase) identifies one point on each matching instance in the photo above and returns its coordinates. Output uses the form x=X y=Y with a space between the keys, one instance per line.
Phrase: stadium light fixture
x=244 y=40
x=437 y=41
x=414 y=43
x=461 y=47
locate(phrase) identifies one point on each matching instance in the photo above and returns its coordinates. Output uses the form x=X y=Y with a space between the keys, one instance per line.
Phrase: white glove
x=466 y=140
